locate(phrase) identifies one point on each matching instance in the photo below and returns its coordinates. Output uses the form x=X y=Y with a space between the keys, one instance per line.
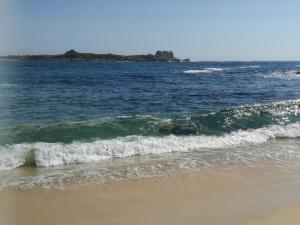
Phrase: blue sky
x=198 y=29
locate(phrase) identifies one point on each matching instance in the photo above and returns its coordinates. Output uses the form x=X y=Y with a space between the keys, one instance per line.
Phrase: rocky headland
x=74 y=55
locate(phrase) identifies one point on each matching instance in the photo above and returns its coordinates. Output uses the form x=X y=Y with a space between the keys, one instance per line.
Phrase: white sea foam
x=214 y=69
x=197 y=71
x=53 y=154
x=206 y=70
x=252 y=66
x=291 y=74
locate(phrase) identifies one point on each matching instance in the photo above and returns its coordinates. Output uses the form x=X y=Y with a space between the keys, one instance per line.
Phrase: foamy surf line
x=54 y=154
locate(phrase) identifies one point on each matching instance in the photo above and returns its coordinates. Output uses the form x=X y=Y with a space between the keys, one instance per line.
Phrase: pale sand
x=232 y=197
x=289 y=216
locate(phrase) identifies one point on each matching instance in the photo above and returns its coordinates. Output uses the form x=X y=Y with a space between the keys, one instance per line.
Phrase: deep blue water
x=55 y=92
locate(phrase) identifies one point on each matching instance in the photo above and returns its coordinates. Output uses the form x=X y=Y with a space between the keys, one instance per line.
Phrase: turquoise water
x=71 y=117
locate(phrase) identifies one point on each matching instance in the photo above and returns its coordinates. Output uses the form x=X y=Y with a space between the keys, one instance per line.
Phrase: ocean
x=66 y=123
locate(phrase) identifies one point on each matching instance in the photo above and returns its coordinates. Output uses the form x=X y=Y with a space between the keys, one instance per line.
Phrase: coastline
x=229 y=197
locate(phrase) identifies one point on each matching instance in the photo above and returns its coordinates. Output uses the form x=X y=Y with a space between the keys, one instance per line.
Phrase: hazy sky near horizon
x=198 y=29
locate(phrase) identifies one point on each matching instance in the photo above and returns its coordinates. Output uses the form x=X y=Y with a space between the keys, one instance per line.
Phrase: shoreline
x=230 y=197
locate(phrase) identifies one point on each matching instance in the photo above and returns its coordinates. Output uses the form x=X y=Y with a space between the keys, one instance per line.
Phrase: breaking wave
x=117 y=137
x=210 y=123
x=53 y=154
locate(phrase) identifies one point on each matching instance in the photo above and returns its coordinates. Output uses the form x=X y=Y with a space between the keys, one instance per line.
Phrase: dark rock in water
x=165 y=56
x=74 y=55
x=298 y=72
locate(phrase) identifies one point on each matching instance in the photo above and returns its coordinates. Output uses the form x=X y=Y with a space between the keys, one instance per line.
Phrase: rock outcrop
x=165 y=56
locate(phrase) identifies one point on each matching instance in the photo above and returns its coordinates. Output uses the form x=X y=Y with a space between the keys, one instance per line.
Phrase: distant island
x=163 y=56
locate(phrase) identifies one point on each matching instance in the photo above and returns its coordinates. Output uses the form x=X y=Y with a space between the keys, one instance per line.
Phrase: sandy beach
x=237 y=196
x=290 y=216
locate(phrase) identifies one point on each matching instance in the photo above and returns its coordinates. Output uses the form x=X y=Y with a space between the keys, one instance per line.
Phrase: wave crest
x=212 y=123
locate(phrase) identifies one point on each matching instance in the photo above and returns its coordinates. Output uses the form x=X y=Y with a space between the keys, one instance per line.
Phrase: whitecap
x=197 y=71
x=291 y=74
x=252 y=66
x=214 y=69
x=206 y=70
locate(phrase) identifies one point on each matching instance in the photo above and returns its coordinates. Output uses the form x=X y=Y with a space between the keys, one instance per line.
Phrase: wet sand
x=228 y=197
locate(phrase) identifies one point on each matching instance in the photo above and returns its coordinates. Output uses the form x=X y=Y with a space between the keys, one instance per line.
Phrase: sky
x=221 y=30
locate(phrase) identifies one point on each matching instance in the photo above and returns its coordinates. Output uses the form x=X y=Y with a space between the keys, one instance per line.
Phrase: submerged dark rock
x=74 y=55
